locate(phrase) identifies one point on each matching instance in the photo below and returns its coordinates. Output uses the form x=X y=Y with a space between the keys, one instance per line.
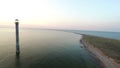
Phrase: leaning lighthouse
x=17 y=36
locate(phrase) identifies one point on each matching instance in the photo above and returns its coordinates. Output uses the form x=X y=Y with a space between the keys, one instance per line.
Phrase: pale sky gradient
x=62 y=14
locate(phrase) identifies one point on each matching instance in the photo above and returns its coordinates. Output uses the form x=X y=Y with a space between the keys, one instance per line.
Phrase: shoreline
x=106 y=61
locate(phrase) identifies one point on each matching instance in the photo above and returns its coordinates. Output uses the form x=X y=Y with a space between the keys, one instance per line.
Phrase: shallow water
x=44 y=49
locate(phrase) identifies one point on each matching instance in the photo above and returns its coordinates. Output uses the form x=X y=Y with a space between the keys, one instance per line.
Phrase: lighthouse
x=17 y=37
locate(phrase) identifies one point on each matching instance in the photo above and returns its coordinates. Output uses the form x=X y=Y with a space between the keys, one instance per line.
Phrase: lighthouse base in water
x=17 y=51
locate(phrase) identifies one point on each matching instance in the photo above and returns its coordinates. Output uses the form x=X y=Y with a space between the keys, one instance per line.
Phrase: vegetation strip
x=109 y=47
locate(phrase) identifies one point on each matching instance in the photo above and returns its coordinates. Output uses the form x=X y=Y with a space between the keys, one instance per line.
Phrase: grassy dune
x=110 y=47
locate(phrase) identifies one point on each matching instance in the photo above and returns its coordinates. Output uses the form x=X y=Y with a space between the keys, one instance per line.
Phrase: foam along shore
x=106 y=50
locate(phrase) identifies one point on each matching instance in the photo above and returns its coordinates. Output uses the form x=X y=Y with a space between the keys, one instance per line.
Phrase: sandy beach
x=107 y=61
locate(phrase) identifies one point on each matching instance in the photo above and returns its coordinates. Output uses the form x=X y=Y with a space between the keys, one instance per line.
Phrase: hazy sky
x=62 y=14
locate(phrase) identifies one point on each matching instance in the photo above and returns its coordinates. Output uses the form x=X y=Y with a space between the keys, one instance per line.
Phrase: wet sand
x=105 y=60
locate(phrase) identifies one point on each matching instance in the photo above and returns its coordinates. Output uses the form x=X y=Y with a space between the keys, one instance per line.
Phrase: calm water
x=44 y=49
x=111 y=35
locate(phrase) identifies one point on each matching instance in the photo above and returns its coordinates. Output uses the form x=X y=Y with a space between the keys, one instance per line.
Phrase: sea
x=105 y=34
x=42 y=48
